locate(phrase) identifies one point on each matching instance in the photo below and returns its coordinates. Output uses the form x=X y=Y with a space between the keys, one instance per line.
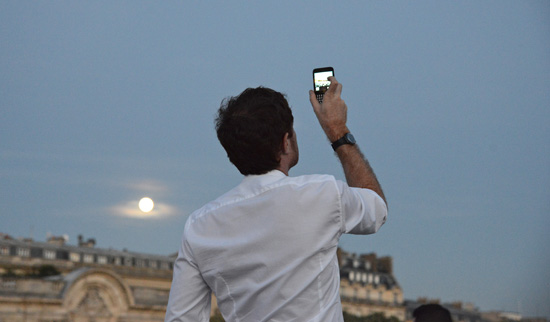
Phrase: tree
x=217 y=317
x=44 y=271
x=375 y=317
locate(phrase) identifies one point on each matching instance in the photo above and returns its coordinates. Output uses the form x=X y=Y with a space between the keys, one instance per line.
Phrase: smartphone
x=321 y=82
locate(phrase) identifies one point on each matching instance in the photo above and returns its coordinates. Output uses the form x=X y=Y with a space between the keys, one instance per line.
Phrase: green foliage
x=44 y=271
x=36 y=272
x=9 y=273
x=217 y=317
x=376 y=317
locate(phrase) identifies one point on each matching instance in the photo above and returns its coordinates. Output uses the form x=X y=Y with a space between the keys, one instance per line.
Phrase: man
x=432 y=313
x=267 y=248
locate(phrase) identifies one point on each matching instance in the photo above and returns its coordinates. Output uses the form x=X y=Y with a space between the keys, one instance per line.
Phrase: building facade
x=368 y=286
x=53 y=281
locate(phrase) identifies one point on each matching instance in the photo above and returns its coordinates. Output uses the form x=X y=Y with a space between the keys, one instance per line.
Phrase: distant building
x=53 y=281
x=88 y=283
x=535 y=319
x=23 y=255
x=368 y=286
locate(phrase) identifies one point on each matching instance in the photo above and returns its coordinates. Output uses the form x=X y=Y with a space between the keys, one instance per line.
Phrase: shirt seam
x=237 y=319
x=342 y=229
x=265 y=189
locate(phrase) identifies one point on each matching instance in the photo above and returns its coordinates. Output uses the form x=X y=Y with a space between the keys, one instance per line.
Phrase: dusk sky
x=105 y=102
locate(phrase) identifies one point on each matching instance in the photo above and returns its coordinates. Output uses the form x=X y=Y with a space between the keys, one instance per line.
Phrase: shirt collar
x=268 y=177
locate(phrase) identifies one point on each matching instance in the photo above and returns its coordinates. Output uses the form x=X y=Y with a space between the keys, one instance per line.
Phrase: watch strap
x=346 y=139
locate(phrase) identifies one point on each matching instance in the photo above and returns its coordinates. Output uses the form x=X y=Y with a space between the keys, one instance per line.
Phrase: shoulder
x=205 y=209
x=311 y=179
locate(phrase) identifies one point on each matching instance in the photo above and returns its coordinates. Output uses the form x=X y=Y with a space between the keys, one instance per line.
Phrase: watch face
x=350 y=138
x=346 y=139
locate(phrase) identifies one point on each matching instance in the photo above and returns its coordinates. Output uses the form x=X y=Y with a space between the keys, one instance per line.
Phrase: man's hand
x=332 y=113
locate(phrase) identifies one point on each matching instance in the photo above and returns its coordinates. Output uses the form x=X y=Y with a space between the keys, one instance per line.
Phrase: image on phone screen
x=321 y=82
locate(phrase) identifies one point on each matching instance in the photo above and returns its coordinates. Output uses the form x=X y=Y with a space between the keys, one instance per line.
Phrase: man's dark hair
x=251 y=127
x=432 y=313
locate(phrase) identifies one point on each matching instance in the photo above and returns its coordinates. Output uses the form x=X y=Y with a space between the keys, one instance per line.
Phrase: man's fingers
x=313 y=100
x=335 y=88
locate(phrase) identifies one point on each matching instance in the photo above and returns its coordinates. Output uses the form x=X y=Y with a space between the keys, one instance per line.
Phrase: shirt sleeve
x=190 y=296
x=363 y=210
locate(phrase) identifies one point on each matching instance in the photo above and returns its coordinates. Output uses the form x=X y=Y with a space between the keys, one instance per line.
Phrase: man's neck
x=283 y=169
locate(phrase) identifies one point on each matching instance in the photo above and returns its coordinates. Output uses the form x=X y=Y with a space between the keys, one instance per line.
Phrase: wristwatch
x=346 y=139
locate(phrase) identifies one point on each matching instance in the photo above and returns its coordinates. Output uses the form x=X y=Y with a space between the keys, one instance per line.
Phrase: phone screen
x=321 y=82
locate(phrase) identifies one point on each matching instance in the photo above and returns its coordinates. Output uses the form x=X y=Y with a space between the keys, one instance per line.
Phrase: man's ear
x=286 y=144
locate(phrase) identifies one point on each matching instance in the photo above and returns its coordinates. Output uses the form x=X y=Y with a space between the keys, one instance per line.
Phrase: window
x=141 y=263
x=23 y=252
x=117 y=261
x=49 y=254
x=74 y=257
x=88 y=258
x=102 y=259
x=128 y=261
x=4 y=250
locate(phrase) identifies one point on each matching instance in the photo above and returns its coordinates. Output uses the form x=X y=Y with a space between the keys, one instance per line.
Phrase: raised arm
x=332 y=116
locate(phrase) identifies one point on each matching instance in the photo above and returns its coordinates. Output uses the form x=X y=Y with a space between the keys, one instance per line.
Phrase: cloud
x=130 y=209
x=152 y=186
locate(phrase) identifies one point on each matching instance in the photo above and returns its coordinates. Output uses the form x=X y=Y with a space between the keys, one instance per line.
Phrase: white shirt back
x=267 y=249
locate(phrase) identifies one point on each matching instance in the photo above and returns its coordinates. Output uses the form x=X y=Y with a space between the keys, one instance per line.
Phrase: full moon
x=146 y=204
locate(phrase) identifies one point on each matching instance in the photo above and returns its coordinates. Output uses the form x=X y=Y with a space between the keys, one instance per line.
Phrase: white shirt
x=267 y=249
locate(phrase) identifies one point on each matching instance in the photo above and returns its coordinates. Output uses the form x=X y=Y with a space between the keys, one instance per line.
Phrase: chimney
x=385 y=265
x=56 y=240
x=371 y=260
x=90 y=243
